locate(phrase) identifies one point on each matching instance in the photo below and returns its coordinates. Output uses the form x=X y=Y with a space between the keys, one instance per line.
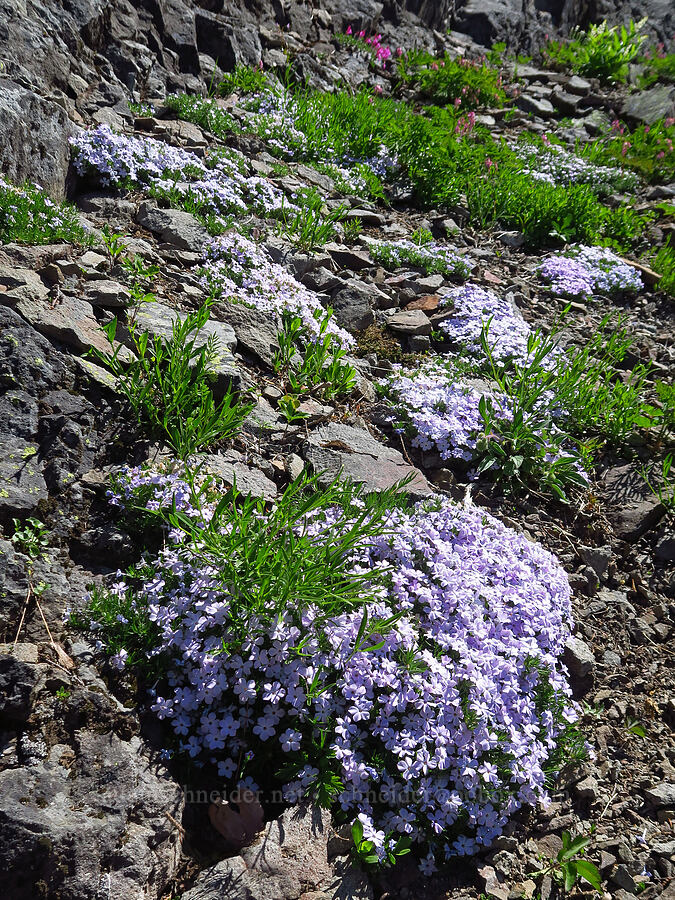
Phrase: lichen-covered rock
x=86 y=819
x=39 y=153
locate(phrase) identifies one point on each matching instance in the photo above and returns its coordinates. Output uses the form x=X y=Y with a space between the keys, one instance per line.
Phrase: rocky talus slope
x=91 y=803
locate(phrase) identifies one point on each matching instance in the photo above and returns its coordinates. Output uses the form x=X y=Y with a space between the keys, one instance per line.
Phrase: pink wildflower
x=349 y=29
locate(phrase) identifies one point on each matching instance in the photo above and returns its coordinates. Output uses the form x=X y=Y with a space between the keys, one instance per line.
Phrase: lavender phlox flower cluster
x=154 y=164
x=440 y=411
x=440 y=732
x=584 y=271
x=474 y=307
x=556 y=165
x=237 y=269
x=432 y=256
x=158 y=490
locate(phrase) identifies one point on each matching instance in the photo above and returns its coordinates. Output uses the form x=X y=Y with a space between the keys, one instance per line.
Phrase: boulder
x=335 y=448
x=22 y=485
x=632 y=507
x=71 y=321
x=579 y=659
x=409 y=322
x=248 y=480
x=253 y=329
x=28 y=360
x=288 y=861
x=178 y=25
x=351 y=306
x=40 y=153
x=174 y=226
x=646 y=107
x=228 y=45
x=66 y=816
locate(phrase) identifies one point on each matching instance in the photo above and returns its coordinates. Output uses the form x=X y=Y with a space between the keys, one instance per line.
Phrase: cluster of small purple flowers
x=154 y=164
x=556 y=165
x=439 y=409
x=237 y=269
x=474 y=307
x=584 y=271
x=431 y=257
x=440 y=731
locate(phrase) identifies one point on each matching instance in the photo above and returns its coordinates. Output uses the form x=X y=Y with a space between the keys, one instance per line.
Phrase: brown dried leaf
x=238 y=827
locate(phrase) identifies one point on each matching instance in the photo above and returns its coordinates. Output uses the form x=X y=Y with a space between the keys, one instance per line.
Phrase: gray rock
x=665 y=548
x=158 y=319
x=595 y=122
x=611 y=659
x=368 y=217
x=174 y=226
x=662 y=794
x=93 y=260
x=539 y=106
x=19 y=414
x=18 y=680
x=580 y=662
x=354 y=452
x=225 y=42
x=632 y=507
x=319 y=179
x=409 y=322
x=108 y=294
x=21 y=284
x=598 y=558
x=39 y=154
x=587 y=789
x=66 y=816
x=253 y=329
x=22 y=484
x=263 y=419
x=289 y=860
x=71 y=321
x=360 y=14
x=27 y=359
x=351 y=306
x=353 y=260
x=106 y=207
x=577 y=85
x=566 y=103
x=491 y=884
x=648 y=106
x=248 y=480
x=623 y=879
x=178 y=25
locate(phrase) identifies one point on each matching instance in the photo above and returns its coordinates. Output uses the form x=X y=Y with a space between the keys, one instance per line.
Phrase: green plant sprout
x=569 y=866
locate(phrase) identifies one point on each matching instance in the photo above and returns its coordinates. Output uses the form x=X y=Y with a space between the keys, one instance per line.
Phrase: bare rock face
x=38 y=153
x=83 y=810
x=354 y=452
x=289 y=860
